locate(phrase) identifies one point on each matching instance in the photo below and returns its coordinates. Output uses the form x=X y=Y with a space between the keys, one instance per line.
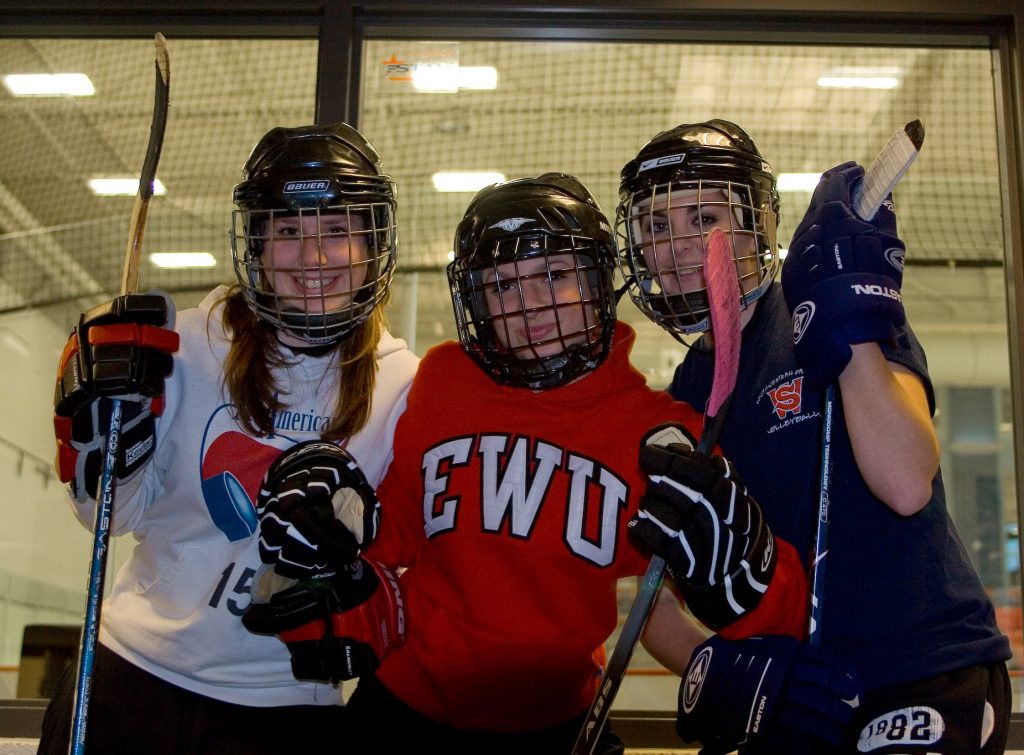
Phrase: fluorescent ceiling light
x=467 y=181
x=183 y=259
x=122 y=187
x=798 y=181
x=861 y=77
x=447 y=78
x=49 y=84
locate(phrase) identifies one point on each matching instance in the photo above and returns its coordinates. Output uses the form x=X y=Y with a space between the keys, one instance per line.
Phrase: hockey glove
x=317 y=511
x=771 y=694
x=842 y=277
x=696 y=514
x=336 y=628
x=121 y=349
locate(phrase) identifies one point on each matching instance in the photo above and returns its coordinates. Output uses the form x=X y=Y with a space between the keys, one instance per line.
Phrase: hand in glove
x=696 y=514
x=317 y=511
x=771 y=694
x=842 y=277
x=336 y=628
x=120 y=349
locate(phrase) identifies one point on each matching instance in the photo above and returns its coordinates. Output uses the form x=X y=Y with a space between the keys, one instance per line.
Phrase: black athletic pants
x=963 y=712
x=132 y=711
x=949 y=714
x=381 y=723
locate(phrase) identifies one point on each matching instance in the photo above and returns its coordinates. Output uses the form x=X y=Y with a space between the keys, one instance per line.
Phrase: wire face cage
x=663 y=234
x=318 y=272
x=538 y=313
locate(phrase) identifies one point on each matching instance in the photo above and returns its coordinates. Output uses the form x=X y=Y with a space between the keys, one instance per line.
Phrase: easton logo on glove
x=897 y=257
x=801 y=319
x=873 y=289
x=690 y=693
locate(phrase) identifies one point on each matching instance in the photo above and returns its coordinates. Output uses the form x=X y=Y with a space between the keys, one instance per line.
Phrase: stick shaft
x=108 y=476
x=821 y=535
x=621 y=656
x=97 y=577
x=885 y=171
x=724 y=292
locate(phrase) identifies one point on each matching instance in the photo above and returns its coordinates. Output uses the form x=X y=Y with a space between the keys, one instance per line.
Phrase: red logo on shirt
x=786 y=397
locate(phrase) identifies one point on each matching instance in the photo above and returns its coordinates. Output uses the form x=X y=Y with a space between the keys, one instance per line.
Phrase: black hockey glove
x=121 y=349
x=842 y=277
x=317 y=511
x=770 y=694
x=336 y=628
x=696 y=514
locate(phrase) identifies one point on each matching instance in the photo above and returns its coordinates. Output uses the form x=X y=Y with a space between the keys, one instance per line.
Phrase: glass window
x=580 y=108
x=587 y=108
x=62 y=248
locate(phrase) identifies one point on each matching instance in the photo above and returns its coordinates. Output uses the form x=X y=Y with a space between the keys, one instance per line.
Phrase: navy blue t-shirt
x=902 y=601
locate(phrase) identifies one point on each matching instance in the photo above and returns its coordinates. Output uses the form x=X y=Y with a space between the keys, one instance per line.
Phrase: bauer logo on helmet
x=293 y=187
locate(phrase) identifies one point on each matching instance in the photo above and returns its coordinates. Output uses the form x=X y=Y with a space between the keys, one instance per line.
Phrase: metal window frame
x=342 y=25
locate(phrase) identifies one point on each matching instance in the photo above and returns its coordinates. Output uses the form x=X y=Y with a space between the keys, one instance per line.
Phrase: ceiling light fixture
x=122 y=187
x=182 y=259
x=466 y=181
x=861 y=77
x=449 y=78
x=49 y=85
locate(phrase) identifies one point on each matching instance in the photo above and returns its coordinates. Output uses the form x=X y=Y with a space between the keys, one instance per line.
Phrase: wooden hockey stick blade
x=887 y=169
x=133 y=253
x=724 y=299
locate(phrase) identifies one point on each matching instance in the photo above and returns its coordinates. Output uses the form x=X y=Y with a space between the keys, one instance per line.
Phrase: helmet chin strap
x=302 y=325
x=623 y=288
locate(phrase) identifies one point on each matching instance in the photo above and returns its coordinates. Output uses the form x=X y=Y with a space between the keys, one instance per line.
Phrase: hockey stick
x=724 y=296
x=879 y=180
x=105 y=502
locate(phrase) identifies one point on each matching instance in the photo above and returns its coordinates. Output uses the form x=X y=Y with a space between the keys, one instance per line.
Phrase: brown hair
x=255 y=351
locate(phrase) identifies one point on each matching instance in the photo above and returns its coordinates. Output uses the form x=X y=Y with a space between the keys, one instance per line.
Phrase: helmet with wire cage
x=531 y=281
x=665 y=194
x=325 y=184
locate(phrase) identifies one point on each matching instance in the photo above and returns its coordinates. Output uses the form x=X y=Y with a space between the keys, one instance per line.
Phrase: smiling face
x=672 y=232
x=541 y=306
x=316 y=263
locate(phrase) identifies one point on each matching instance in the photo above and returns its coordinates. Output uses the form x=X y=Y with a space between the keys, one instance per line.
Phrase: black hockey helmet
x=547 y=218
x=714 y=158
x=314 y=171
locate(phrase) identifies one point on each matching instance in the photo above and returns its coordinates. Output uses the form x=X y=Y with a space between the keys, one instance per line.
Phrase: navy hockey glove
x=696 y=514
x=336 y=628
x=120 y=349
x=771 y=694
x=317 y=511
x=842 y=277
